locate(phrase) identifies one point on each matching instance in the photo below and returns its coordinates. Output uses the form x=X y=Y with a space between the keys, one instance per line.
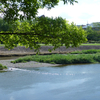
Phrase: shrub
x=89 y=51
x=52 y=63
x=97 y=58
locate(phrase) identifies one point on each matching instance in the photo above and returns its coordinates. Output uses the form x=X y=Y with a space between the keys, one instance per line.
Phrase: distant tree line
x=93 y=35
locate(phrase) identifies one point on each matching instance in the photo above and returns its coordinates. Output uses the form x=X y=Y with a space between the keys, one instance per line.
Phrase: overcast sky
x=83 y=12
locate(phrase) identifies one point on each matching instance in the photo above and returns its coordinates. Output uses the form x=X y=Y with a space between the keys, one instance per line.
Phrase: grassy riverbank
x=91 y=51
x=62 y=58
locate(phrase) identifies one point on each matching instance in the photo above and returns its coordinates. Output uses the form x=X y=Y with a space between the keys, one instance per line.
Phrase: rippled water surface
x=72 y=82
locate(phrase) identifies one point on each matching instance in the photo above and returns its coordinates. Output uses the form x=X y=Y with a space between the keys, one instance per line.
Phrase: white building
x=95 y=25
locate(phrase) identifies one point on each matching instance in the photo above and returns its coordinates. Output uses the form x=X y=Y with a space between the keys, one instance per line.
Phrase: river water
x=72 y=82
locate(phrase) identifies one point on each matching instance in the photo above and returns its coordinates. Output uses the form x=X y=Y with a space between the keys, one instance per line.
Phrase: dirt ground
x=22 y=51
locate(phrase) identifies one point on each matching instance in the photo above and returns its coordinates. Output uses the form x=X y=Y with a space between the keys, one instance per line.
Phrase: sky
x=81 y=13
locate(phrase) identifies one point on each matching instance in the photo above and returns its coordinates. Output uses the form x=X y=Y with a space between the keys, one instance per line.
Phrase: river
x=72 y=82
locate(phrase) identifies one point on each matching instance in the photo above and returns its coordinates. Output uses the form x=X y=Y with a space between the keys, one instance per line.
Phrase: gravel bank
x=25 y=65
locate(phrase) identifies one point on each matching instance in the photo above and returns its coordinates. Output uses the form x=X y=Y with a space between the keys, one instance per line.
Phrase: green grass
x=90 y=44
x=90 y=51
x=2 y=45
x=87 y=44
x=2 y=67
x=84 y=44
x=61 y=59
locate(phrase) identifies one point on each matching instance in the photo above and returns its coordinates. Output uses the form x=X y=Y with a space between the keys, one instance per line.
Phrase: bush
x=52 y=63
x=89 y=51
x=97 y=58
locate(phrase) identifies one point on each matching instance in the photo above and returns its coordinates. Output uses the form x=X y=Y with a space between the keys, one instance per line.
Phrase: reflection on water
x=73 y=82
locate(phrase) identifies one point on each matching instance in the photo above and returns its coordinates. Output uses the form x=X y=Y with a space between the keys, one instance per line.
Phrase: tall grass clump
x=2 y=67
x=22 y=60
x=60 y=59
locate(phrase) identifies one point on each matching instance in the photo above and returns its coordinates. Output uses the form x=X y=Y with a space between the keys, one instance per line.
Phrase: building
x=95 y=26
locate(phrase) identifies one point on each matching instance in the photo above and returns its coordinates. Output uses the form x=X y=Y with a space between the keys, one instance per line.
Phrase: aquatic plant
x=2 y=67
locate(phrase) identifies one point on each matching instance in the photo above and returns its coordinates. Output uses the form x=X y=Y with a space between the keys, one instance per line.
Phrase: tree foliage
x=28 y=30
x=55 y=31
x=26 y=9
x=93 y=34
x=96 y=25
x=4 y=26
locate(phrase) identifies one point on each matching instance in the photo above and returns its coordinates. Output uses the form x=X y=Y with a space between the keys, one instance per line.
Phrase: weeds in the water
x=2 y=67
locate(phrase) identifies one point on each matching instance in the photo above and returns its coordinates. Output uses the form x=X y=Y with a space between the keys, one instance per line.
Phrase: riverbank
x=25 y=65
x=22 y=51
x=62 y=58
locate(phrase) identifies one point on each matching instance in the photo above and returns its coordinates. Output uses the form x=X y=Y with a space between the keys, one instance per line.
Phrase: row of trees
x=93 y=35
